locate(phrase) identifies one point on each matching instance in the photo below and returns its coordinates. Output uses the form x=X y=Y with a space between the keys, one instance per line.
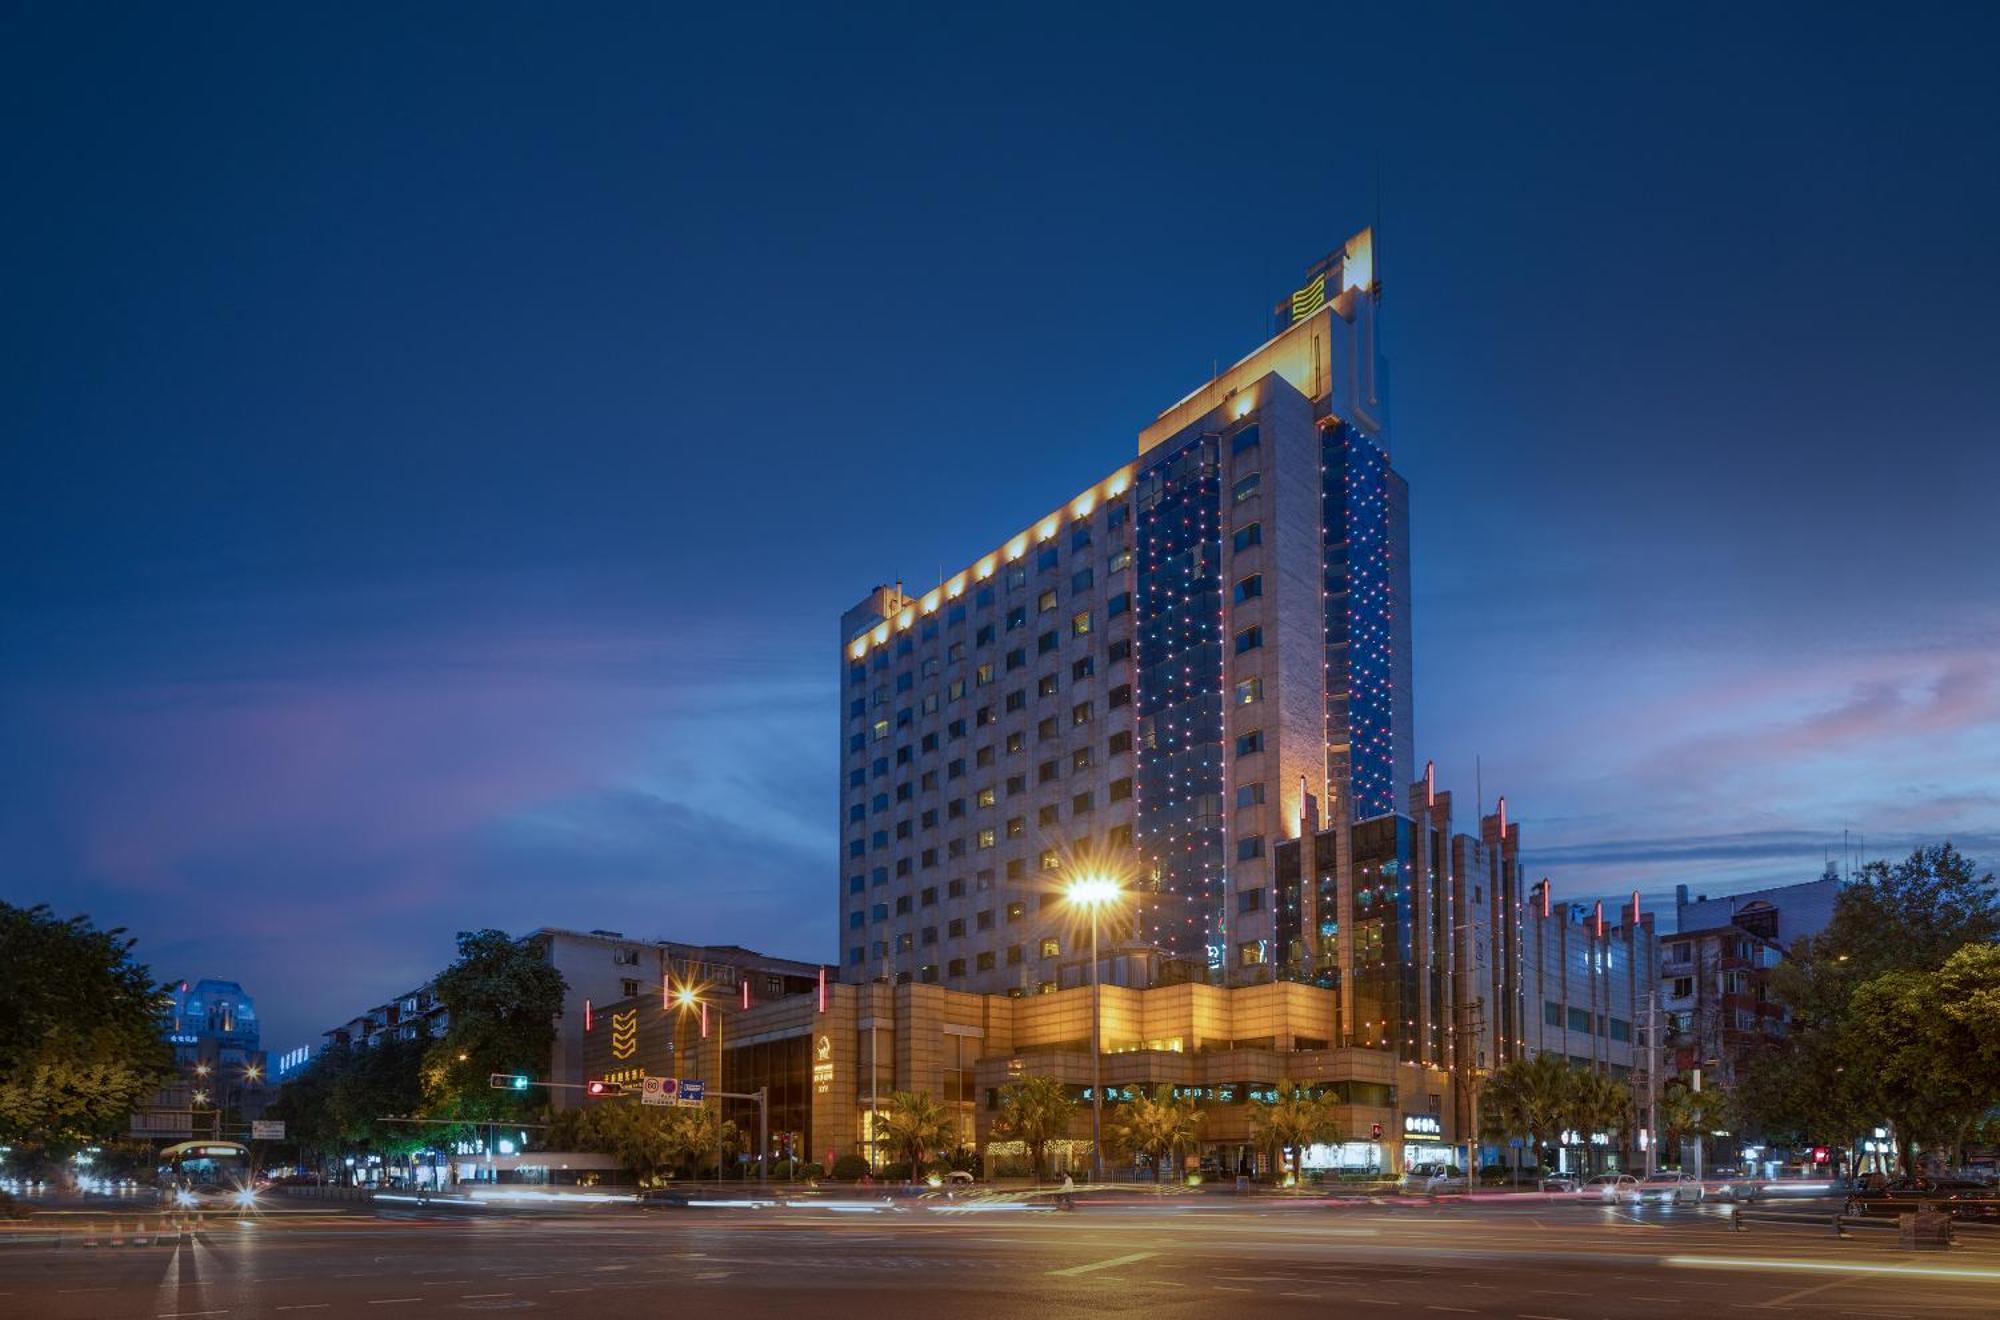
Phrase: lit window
x=1246 y=487
x=1051 y=860
x=986 y=838
x=1046 y=602
x=1051 y=947
x=1249 y=690
x=1079 y=623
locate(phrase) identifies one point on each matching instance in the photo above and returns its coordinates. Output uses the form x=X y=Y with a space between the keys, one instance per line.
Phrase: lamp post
x=1093 y=893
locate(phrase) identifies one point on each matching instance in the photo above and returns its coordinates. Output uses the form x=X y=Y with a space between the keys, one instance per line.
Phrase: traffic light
x=507 y=1081
x=1374 y=1131
x=595 y=1088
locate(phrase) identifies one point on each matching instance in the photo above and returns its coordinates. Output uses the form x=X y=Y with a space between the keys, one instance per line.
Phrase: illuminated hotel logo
x=1422 y=1125
x=822 y=1065
x=1310 y=299
x=625 y=1034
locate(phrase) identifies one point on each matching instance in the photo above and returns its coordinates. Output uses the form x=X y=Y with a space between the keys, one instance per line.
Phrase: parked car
x=1557 y=1182
x=1669 y=1187
x=1611 y=1189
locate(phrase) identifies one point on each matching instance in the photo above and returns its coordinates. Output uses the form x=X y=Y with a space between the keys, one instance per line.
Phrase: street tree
x=1527 y=1098
x=1156 y=1126
x=1932 y=1048
x=502 y=999
x=1292 y=1120
x=80 y=1030
x=914 y=1126
x=1818 y=1084
x=1035 y=1111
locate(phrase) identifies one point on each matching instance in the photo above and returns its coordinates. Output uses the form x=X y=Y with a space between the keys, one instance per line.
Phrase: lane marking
x=391 y=1301
x=305 y=1306
x=168 y=1315
x=1807 y=1292
x=1830 y=1267
x=1094 y=1266
x=473 y=1297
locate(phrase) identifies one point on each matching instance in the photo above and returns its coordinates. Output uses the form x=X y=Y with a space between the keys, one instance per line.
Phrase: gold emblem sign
x=625 y=1034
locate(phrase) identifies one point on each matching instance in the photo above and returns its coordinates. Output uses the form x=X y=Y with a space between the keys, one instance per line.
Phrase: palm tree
x=1156 y=1126
x=1035 y=1111
x=1597 y=1103
x=1293 y=1120
x=915 y=1126
x=1531 y=1098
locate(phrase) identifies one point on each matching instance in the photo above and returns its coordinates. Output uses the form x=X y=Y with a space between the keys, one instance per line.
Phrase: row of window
x=1581 y=1020
x=984 y=597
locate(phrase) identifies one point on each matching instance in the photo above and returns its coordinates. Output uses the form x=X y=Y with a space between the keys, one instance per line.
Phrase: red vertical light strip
x=1430 y=784
x=746 y=990
x=666 y=990
x=1548 y=890
x=1635 y=908
x=586 y=1015
x=1600 y=918
x=704 y=1007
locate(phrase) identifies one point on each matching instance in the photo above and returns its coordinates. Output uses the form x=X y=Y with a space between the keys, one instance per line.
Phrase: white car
x=1669 y=1188
x=1611 y=1188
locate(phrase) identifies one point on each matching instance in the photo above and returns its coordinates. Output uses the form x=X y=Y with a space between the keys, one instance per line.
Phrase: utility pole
x=1652 y=1080
x=1474 y=1033
x=1698 y=1136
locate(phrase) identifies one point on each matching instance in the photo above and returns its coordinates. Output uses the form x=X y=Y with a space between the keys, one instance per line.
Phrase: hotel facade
x=1194 y=677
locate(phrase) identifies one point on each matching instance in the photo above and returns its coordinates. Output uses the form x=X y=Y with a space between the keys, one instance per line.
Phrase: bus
x=206 y=1172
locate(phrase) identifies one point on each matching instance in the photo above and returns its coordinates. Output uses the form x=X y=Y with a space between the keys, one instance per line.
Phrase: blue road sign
x=692 y=1091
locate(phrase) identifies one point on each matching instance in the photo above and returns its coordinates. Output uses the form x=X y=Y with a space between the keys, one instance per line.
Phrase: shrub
x=850 y=1168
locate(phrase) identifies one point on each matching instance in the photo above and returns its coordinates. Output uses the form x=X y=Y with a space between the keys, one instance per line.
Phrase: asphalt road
x=1549 y=1261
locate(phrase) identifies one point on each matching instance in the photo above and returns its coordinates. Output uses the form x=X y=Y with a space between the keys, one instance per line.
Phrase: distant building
x=1784 y=915
x=1715 y=1005
x=598 y=967
x=222 y=1079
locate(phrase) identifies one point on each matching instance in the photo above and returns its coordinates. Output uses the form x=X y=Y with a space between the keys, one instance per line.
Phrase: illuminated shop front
x=1423 y=1142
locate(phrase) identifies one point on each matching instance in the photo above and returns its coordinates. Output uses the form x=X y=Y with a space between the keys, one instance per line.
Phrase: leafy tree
x=1932 y=1045
x=503 y=998
x=1819 y=1084
x=652 y=1141
x=80 y=1030
x=1156 y=1126
x=915 y=1126
x=1035 y=1111
x=1293 y=1120
x=346 y=1100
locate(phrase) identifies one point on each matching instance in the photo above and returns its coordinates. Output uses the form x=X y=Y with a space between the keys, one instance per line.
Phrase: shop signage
x=1422 y=1125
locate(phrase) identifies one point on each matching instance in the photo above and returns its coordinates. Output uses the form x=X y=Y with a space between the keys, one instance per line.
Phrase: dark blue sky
x=438 y=446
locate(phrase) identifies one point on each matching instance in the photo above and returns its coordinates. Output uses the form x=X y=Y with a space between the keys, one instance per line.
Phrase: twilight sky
x=437 y=446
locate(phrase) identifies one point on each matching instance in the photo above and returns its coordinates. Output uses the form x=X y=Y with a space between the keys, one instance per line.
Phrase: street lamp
x=1093 y=893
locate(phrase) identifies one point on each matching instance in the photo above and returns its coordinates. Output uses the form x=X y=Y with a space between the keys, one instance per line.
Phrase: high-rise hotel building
x=1203 y=654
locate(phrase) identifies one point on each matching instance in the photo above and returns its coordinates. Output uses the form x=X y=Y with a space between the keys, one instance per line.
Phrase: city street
x=1545 y=1261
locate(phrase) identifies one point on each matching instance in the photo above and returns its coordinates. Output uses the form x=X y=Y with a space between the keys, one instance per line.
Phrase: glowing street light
x=1093 y=893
